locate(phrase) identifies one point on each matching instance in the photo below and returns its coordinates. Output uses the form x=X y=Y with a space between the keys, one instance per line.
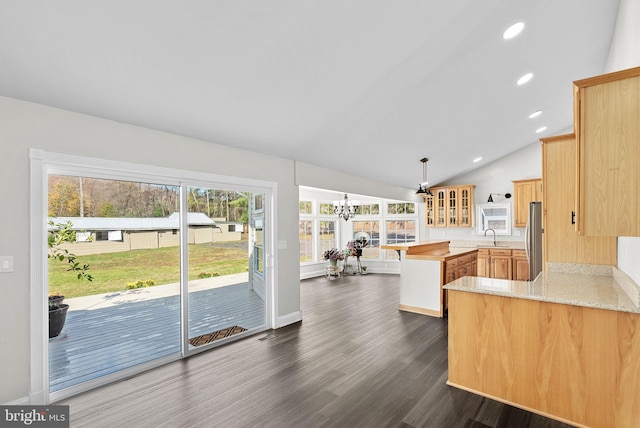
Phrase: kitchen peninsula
x=424 y=268
x=566 y=345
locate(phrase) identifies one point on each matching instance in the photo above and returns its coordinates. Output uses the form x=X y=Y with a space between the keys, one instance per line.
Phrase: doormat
x=216 y=335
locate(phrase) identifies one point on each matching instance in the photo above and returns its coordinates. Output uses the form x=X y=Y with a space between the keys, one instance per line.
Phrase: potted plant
x=61 y=233
x=333 y=255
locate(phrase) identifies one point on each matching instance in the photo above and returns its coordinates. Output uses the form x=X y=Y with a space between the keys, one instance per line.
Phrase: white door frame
x=42 y=164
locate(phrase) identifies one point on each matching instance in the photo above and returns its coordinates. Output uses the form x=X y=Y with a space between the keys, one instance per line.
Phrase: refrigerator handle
x=527 y=240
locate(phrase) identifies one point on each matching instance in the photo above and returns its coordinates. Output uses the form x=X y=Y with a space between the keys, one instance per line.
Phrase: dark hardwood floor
x=354 y=361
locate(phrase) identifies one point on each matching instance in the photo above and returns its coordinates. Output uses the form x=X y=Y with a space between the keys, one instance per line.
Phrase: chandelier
x=424 y=191
x=345 y=210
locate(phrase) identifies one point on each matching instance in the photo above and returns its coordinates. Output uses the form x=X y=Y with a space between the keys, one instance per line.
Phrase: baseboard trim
x=24 y=401
x=291 y=318
x=421 y=311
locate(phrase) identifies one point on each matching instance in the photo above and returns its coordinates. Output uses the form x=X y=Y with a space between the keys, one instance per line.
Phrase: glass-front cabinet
x=441 y=207
x=465 y=199
x=430 y=216
x=450 y=206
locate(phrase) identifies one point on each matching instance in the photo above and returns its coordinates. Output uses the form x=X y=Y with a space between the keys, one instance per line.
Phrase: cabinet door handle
x=573 y=217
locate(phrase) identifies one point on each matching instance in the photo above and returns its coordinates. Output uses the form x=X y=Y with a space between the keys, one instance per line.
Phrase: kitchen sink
x=492 y=246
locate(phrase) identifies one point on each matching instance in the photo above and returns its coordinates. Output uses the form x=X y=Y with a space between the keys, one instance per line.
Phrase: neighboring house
x=115 y=234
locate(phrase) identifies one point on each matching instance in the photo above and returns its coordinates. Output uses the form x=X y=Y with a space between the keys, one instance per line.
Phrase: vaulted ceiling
x=367 y=87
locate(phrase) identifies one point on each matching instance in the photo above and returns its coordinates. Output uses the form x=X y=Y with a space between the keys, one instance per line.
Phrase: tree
x=62 y=234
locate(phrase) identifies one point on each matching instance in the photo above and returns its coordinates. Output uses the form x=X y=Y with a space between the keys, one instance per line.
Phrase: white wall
x=625 y=46
x=625 y=53
x=322 y=178
x=495 y=177
x=25 y=125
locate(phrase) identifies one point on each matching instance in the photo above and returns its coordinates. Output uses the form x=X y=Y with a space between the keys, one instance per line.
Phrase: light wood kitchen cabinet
x=466 y=207
x=483 y=262
x=525 y=191
x=502 y=263
x=454 y=268
x=440 y=203
x=575 y=364
x=429 y=210
x=450 y=206
x=520 y=265
x=562 y=243
x=606 y=112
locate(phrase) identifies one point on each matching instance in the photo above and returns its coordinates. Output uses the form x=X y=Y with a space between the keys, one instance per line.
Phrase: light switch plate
x=6 y=264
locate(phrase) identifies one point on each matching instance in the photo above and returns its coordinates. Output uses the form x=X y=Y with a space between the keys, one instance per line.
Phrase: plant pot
x=333 y=262
x=56 y=300
x=57 y=317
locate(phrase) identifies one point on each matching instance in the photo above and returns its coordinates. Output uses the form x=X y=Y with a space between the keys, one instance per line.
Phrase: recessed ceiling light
x=513 y=30
x=477 y=160
x=539 y=130
x=524 y=79
x=535 y=114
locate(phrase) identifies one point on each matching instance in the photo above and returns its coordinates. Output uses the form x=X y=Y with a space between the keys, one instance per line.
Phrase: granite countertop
x=591 y=291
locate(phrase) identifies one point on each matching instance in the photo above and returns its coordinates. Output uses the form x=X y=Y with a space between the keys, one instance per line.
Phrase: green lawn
x=112 y=271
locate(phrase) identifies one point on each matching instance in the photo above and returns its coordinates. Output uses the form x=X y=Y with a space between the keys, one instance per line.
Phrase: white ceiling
x=367 y=87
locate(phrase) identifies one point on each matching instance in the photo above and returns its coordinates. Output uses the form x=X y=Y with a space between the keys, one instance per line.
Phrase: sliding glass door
x=150 y=271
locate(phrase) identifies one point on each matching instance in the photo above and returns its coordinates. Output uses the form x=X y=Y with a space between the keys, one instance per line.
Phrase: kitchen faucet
x=494 y=235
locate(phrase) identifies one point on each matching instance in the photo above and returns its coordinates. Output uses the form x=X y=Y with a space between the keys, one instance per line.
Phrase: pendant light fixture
x=345 y=210
x=424 y=191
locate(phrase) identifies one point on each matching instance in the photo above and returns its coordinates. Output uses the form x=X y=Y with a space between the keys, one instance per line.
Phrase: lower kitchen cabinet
x=502 y=264
x=457 y=267
x=520 y=265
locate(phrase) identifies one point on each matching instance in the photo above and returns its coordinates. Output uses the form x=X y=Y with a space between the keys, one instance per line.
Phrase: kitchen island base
x=575 y=364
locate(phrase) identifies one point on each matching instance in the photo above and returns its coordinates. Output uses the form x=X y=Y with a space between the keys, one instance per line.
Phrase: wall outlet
x=6 y=264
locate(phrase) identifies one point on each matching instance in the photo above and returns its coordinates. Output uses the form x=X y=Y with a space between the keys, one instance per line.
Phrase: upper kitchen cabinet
x=525 y=191
x=450 y=206
x=607 y=127
x=562 y=244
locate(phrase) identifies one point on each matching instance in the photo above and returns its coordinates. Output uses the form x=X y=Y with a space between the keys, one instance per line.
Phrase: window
x=401 y=208
x=83 y=236
x=327 y=237
x=372 y=227
x=258 y=245
x=399 y=232
x=306 y=241
x=326 y=208
x=369 y=209
x=306 y=207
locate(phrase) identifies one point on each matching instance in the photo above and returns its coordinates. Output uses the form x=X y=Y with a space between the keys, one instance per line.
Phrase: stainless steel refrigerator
x=533 y=239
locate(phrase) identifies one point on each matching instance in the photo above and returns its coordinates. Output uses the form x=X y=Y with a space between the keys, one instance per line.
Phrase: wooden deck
x=98 y=342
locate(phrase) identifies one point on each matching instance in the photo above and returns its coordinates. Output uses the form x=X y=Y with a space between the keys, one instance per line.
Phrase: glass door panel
x=222 y=257
x=128 y=311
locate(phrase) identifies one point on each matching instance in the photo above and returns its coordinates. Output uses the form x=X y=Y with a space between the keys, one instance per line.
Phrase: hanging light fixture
x=424 y=191
x=345 y=210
